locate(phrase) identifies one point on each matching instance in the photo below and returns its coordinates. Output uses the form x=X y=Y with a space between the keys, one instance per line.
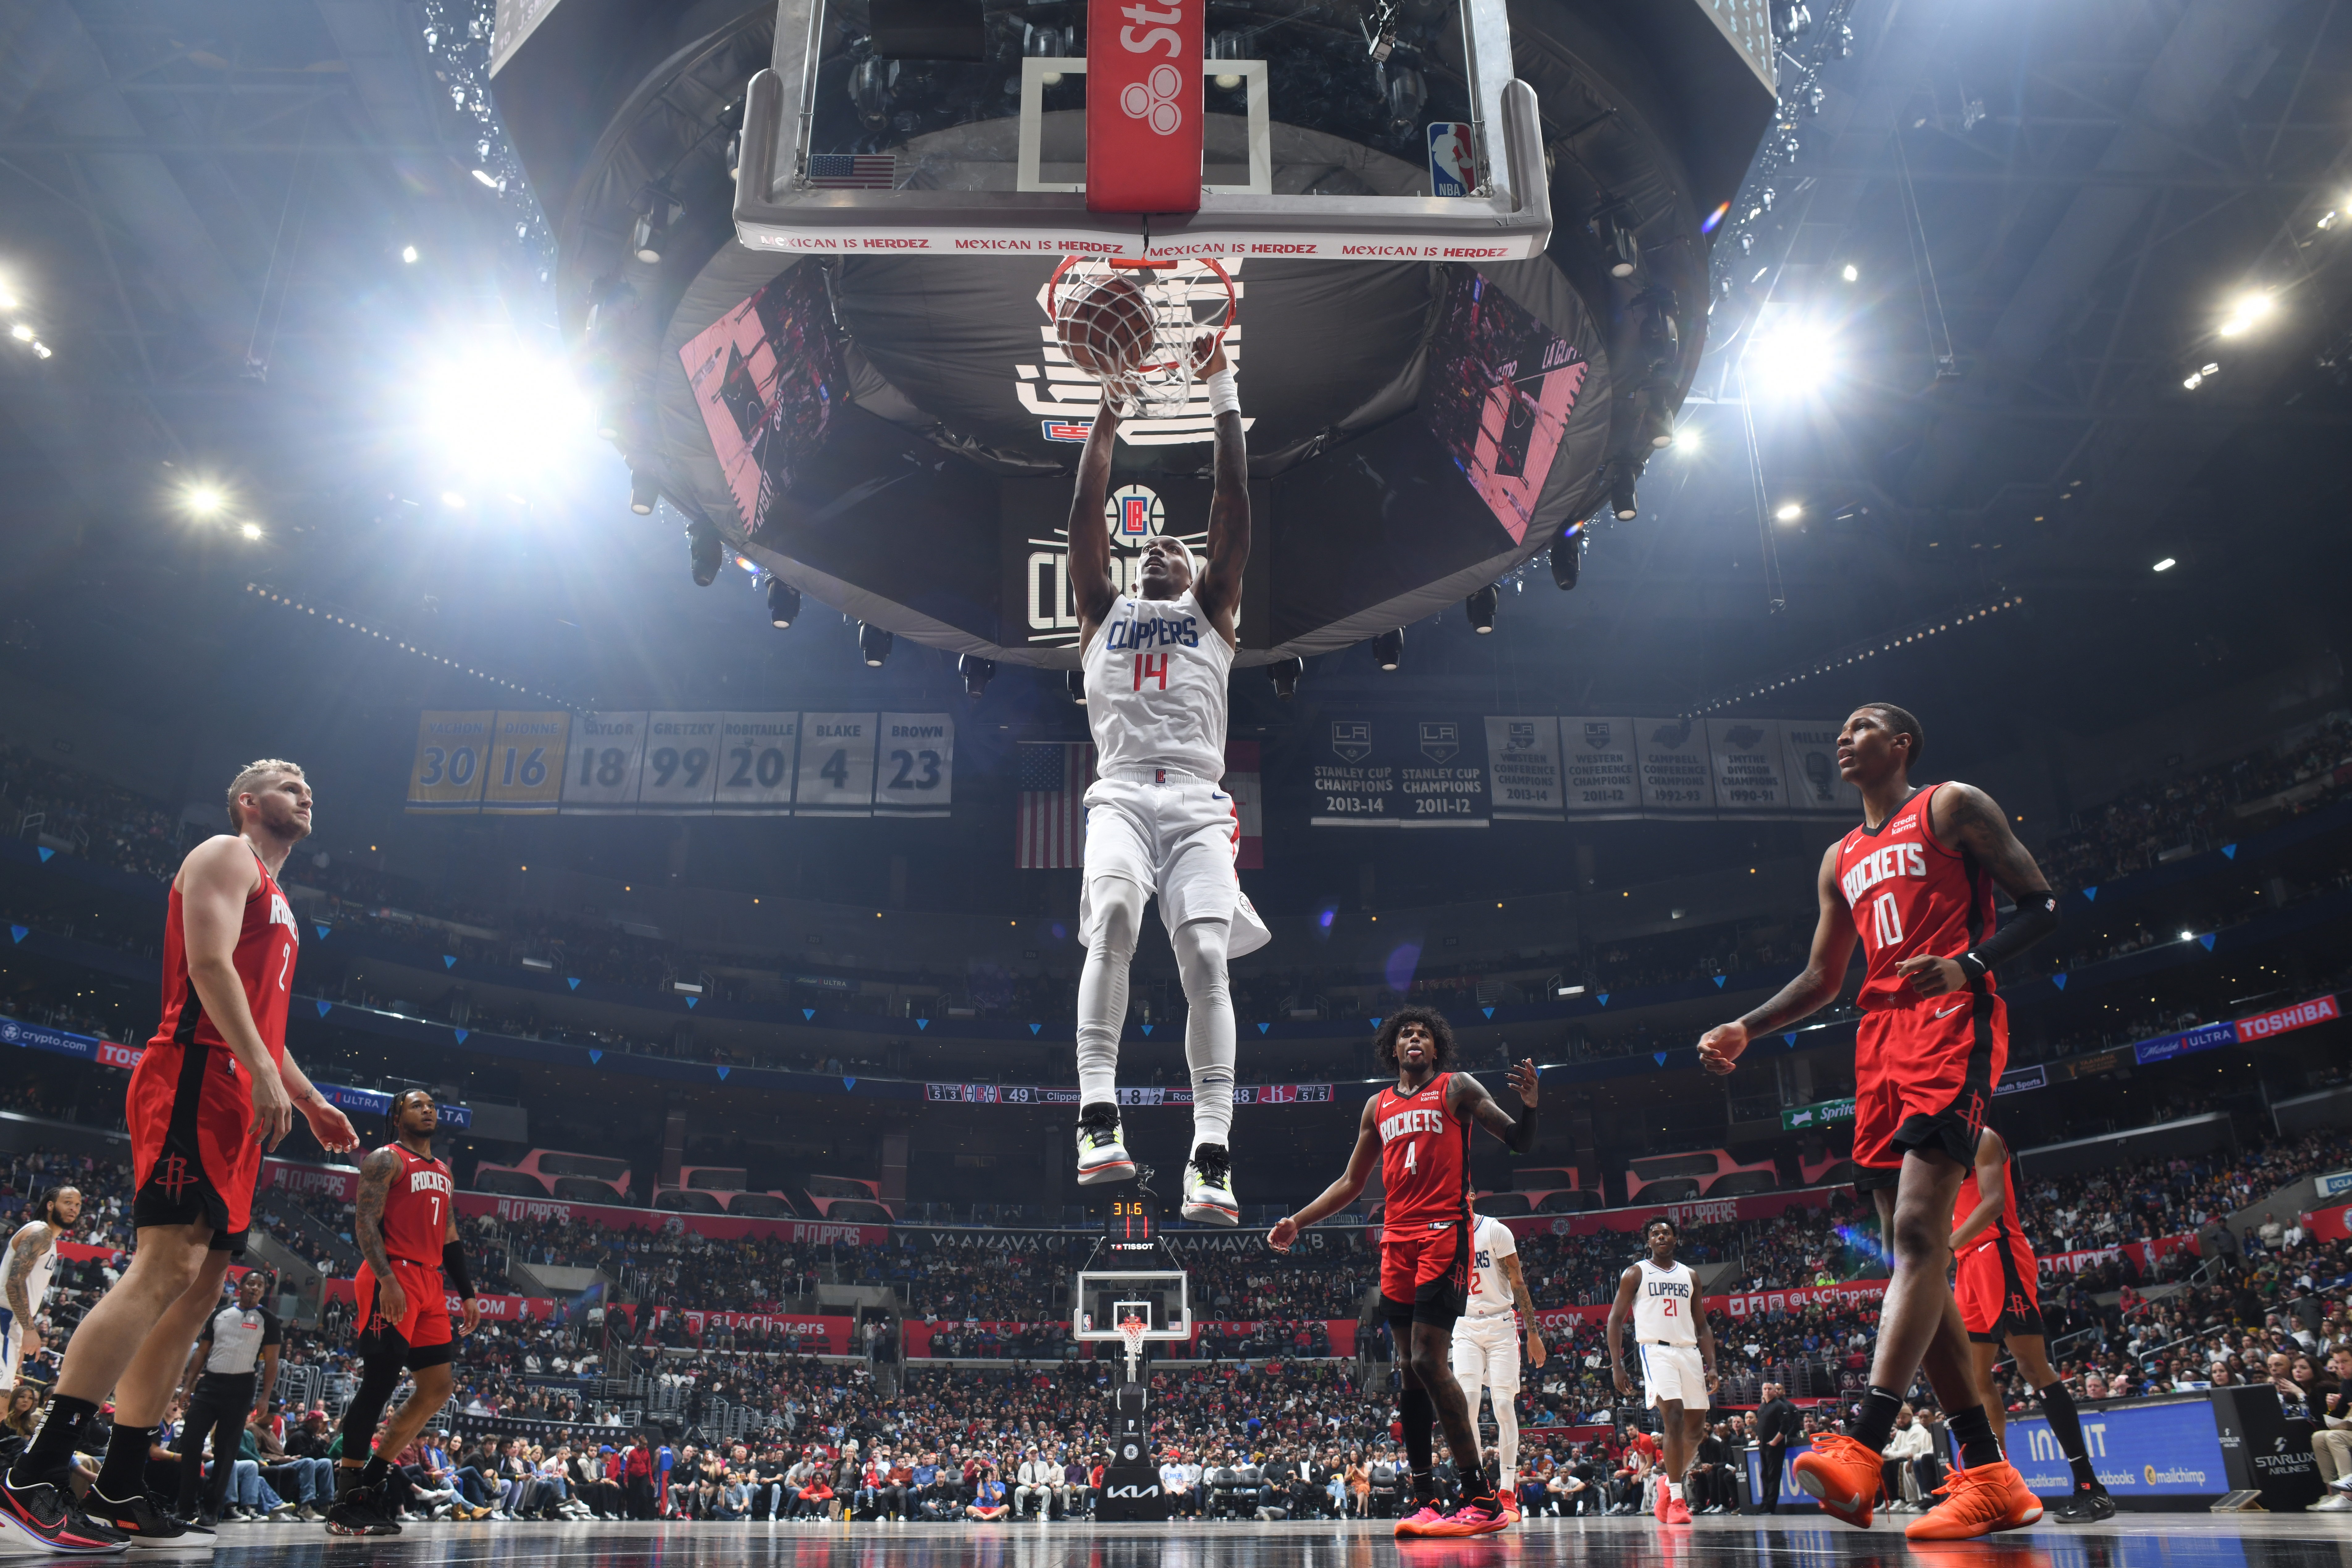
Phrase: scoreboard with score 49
x=1131 y=1224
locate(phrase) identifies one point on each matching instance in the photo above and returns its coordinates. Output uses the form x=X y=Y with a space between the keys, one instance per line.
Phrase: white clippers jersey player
x=1158 y=826
x=24 y=1274
x=1677 y=1355
x=1487 y=1341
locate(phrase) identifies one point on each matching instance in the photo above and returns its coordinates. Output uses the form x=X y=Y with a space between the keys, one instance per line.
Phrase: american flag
x=853 y=171
x=1053 y=816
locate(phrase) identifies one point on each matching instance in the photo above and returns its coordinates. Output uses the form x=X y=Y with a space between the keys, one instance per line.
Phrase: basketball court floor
x=2131 y=1541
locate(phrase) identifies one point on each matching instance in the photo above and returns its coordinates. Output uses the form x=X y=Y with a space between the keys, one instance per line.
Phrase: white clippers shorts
x=1672 y=1372
x=1486 y=1352
x=1176 y=840
x=12 y=1338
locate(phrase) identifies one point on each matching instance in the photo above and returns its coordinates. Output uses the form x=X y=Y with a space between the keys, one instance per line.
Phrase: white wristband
x=1223 y=398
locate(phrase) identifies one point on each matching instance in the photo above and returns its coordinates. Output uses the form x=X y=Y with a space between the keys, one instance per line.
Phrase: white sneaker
x=1102 y=1147
x=1209 y=1186
x=2334 y=1503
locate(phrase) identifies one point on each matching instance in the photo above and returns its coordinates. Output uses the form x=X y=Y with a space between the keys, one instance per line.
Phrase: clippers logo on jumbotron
x=1135 y=514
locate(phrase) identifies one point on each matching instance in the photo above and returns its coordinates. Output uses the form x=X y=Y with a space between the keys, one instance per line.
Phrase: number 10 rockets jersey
x=1911 y=896
x=1156 y=676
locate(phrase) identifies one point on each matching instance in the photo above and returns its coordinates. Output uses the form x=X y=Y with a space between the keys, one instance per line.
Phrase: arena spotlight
x=2167 y=564
x=976 y=671
x=1851 y=274
x=1388 y=649
x=1566 y=559
x=652 y=229
x=783 y=604
x=2245 y=311
x=1623 y=502
x=1790 y=511
x=704 y=551
x=873 y=645
x=1075 y=680
x=1480 y=609
x=502 y=411
x=1658 y=426
x=1796 y=357
x=1286 y=674
x=251 y=530
x=1624 y=246
x=487 y=180
x=408 y=255
x=644 y=494
x=203 y=500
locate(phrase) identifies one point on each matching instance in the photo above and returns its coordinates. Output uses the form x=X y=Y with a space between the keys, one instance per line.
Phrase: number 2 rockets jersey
x=1911 y=896
x=1156 y=676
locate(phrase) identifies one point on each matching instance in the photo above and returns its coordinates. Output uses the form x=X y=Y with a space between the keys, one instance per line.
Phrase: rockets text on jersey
x=1909 y=895
x=416 y=1208
x=1156 y=676
x=2001 y=1231
x=1425 y=1158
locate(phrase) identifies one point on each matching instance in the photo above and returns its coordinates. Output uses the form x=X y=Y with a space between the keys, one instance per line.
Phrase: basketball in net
x=1142 y=328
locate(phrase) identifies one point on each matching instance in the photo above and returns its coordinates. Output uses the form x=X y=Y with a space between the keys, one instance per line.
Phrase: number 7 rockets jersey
x=1911 y=896
x=417 y=1209
x=1156 y=678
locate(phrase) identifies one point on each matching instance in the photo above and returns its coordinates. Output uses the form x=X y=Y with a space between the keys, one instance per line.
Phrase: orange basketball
x=1106 y=326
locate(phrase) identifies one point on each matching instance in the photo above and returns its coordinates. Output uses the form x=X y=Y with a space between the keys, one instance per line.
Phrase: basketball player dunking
x=1157 y=824
x=25 y=1276
x=1417 y=1132
x=214 y=1090
x=1995 y=1282
x=1916 y=882
x=1677 y=1350
x=1485 y=1351
x=405 y=1223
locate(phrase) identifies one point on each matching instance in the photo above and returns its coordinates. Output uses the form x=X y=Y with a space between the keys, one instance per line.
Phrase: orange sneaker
x=1678 y=1511
x=1413 y=1523
x=1841 y=1475
x=1510 y=1500
x=1658 y=1500
x=1978 y=1502
x=1470 y=1519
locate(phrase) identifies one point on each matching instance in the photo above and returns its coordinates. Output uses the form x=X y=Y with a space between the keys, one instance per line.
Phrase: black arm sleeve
x=453 y=1269
x=1522 y=1135
x=2037 y=916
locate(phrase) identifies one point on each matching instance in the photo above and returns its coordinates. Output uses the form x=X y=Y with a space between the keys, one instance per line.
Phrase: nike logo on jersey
x=1953 y=1009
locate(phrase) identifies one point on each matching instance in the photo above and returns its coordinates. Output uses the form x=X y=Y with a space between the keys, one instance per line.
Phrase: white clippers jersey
x=1156 y=676
x=37 y=1273
x=1662 y=1308
x=1490 y=1288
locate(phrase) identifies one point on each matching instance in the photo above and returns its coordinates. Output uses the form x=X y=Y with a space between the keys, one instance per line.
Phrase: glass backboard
x=1107 y=1298
x=1384 y=129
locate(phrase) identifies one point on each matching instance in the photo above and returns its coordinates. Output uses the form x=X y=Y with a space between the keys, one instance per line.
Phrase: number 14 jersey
x=1911 y=896
x=1156 y=676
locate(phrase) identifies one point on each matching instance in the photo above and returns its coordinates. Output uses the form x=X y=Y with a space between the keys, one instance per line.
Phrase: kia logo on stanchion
x=1153 y=100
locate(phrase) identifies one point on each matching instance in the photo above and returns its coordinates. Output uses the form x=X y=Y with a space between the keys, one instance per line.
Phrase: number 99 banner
x=671 y=764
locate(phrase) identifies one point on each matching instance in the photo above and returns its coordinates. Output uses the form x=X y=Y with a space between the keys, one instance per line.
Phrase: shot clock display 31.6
x=1131 y=1222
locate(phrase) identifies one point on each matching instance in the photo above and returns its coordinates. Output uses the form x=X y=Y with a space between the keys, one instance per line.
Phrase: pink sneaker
x=1470 y=1519
x=1658 y=1502
x=1418 y=1522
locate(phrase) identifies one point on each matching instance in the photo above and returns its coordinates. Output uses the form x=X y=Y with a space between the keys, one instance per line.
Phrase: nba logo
x=1453 y=159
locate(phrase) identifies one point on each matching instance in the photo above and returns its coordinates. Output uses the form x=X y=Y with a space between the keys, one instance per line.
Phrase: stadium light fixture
x=1622 y=501
x=1076 y=681
x=203 y=500
x=503 y=410
x=1285 y=673
x=783 y=604
x=1798 y=356
x=652 y=228
x=1658 y=426
x=1388 y=649
x=9 y=301
x=976 y=671
x=705 y=552
x=1568 y=558
x=408 y=254
x=2167 y=564
x=251 y=530
x=2245 y=311
x=21 y=332
x=1791 y=511
x=1480 y=606
x=873 y=645
x=1851 y=274
x=486 y=179
x=644 y=494
x=1687 y=440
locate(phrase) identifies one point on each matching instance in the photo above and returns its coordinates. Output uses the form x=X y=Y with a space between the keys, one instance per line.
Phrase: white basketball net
x=1130 y=1329
x=1187 y=302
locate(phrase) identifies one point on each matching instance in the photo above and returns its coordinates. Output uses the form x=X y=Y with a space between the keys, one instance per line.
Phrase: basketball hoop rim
x=1053 y=284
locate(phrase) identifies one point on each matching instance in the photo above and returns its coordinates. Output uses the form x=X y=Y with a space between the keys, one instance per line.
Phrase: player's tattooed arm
x=1964 y=815
x=1993 y=1188
x=22 y=1251
x=1465 y=1097
x=376 y=1175
x=1536 y=1354
x=1220 y=589
x=1089 y=535
x=1817 y=985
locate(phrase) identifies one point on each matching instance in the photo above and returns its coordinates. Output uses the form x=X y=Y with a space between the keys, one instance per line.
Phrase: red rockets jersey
x=266 y=946
x=1911 y=896
x=417 y=1209
x=1425 y=1158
